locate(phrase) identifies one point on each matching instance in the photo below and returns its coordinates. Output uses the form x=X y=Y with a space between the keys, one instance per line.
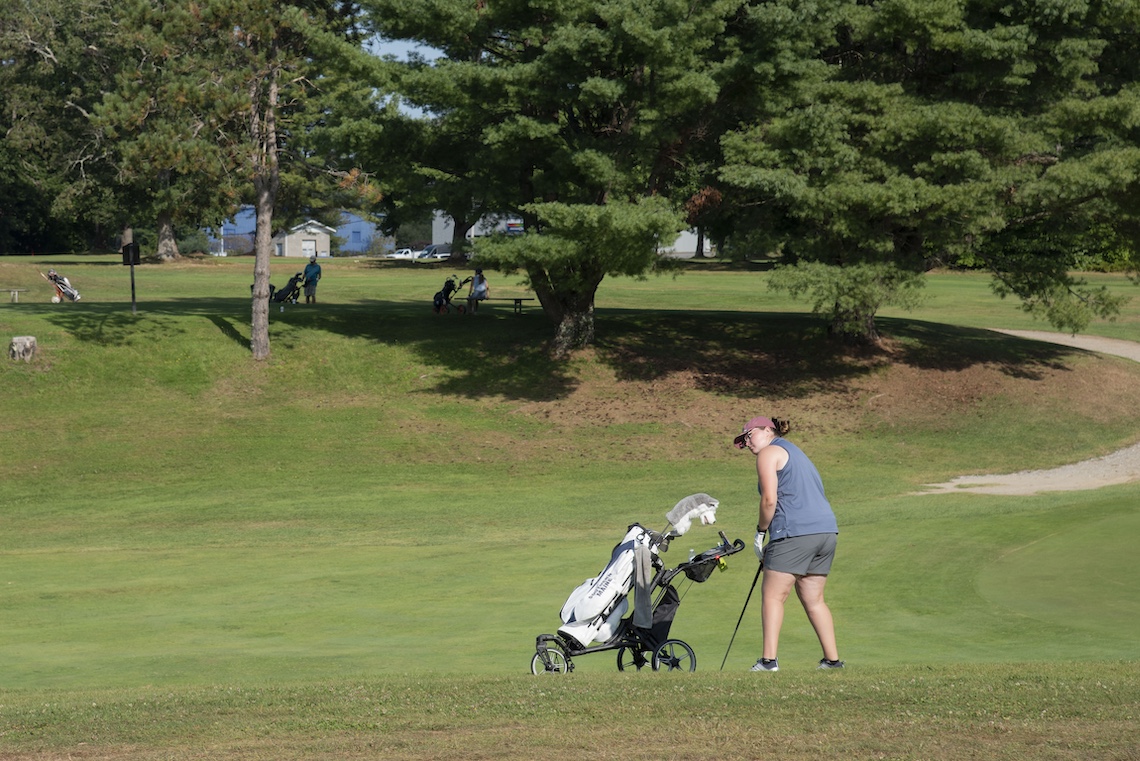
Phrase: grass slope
x=397 y=502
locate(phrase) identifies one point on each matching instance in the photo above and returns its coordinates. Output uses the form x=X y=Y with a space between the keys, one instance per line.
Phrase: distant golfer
x=312 y=274
x=801 y=530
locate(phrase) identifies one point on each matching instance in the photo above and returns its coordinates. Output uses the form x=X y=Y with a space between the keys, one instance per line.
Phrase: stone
x=22 y=347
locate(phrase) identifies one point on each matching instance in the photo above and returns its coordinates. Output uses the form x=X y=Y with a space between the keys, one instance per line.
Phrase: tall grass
x=376 y=523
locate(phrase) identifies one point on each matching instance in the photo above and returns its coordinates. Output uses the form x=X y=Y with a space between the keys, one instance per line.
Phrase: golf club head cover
x=699 y=506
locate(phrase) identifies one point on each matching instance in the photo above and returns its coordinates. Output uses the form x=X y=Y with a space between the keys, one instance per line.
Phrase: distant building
x=355 y=235
x=359 y=236
x=306 y=240
x=443 y=228
x=685 y=247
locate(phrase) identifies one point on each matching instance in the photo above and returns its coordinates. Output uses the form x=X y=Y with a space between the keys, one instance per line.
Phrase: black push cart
x=638 y=647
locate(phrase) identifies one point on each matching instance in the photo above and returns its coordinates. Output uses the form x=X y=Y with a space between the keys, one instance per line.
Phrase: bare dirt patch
x=680 y=398
x=890 y=385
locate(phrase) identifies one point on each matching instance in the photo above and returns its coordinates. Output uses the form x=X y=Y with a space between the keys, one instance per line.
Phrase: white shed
x=305 y=240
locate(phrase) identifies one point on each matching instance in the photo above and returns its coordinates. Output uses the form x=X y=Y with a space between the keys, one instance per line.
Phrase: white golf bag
x=594 y=611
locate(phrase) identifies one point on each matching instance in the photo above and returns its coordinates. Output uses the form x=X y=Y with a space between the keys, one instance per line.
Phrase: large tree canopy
x=869 y=133
x=58 y=192
x=966 y=132
x=580 y=111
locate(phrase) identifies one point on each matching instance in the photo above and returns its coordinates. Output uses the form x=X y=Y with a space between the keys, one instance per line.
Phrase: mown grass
x=1010 y=711
x=348 y=550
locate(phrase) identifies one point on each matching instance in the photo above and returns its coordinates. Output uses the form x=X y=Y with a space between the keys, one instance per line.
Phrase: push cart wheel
x=631 y=659
x=674 y=655
x=550 y=660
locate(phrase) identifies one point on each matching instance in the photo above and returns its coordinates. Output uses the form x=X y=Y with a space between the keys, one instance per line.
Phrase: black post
x=131 y=257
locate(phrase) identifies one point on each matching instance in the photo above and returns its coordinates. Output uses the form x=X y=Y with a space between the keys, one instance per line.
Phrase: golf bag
x=593 y=617
x=441 y=302
x=292 y=289
x=594 y=610
x=63 y=288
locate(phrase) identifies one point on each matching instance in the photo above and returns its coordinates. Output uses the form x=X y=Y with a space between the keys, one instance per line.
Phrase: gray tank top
x=801 y=506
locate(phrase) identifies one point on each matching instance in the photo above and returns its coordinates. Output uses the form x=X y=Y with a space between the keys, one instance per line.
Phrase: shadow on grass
x=763 y=353
x=744 y=354
x=228 y=328
x=935 y=346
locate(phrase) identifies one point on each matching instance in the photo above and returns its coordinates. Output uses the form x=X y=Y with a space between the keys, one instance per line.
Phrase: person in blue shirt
x=801 y=529
x=312 y=274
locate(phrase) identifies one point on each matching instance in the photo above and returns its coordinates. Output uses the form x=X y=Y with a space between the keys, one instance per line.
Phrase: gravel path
x=1117 y=468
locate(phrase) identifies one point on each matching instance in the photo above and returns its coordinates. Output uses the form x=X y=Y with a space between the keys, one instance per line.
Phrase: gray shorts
x=801 y=555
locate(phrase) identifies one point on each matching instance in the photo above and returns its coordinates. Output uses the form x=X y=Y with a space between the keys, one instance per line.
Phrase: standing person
x=312 y=274
x=802 y=531
x=478 y=291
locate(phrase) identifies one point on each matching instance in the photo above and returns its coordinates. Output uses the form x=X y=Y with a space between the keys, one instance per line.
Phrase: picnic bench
x=15 y=293
x=517 y=299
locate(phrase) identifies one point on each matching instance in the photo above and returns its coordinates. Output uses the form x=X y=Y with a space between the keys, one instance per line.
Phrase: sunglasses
x=741 y=441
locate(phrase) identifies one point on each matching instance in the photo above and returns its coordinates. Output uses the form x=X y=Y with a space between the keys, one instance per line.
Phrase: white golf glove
x=758 y=545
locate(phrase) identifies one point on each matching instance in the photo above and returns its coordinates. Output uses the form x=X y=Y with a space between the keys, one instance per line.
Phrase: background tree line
x=858 y=143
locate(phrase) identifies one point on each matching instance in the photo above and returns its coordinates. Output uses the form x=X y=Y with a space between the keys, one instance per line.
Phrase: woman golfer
x=801 y=530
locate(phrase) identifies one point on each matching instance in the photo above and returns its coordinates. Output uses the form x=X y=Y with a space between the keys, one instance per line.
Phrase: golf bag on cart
x=595 y=609
x=594 y=616
x=291 y=291
x=63 y=287
x=441 y=302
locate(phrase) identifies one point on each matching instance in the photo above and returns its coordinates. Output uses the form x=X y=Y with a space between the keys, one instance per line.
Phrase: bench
x=15 y=293
x=517 y=299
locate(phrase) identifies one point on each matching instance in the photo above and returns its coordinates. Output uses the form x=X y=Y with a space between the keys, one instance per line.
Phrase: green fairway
x=399 y=495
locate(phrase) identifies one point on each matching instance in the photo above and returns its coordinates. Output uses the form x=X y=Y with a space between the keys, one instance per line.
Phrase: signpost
x=131 y=257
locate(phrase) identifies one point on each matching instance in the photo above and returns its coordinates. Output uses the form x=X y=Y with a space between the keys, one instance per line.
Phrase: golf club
x=746 y=599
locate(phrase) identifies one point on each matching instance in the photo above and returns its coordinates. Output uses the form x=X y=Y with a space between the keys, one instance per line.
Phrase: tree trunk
x=571 y=310
x=459 y=229
x=575 y=331
x=853 y=329
x=167 y=243
x=262 y=243
x=267 y=180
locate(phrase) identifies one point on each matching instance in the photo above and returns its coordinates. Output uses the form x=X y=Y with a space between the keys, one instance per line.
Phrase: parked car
x=437 y=251
x=402 y=253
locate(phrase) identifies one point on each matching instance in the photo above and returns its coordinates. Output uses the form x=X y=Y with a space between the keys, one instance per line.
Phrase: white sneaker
x=767 y=664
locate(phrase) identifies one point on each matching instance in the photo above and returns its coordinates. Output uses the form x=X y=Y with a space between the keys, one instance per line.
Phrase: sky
x=400 y=49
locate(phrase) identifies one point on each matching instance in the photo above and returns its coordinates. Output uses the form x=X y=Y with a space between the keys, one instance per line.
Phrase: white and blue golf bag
x=594 y=611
